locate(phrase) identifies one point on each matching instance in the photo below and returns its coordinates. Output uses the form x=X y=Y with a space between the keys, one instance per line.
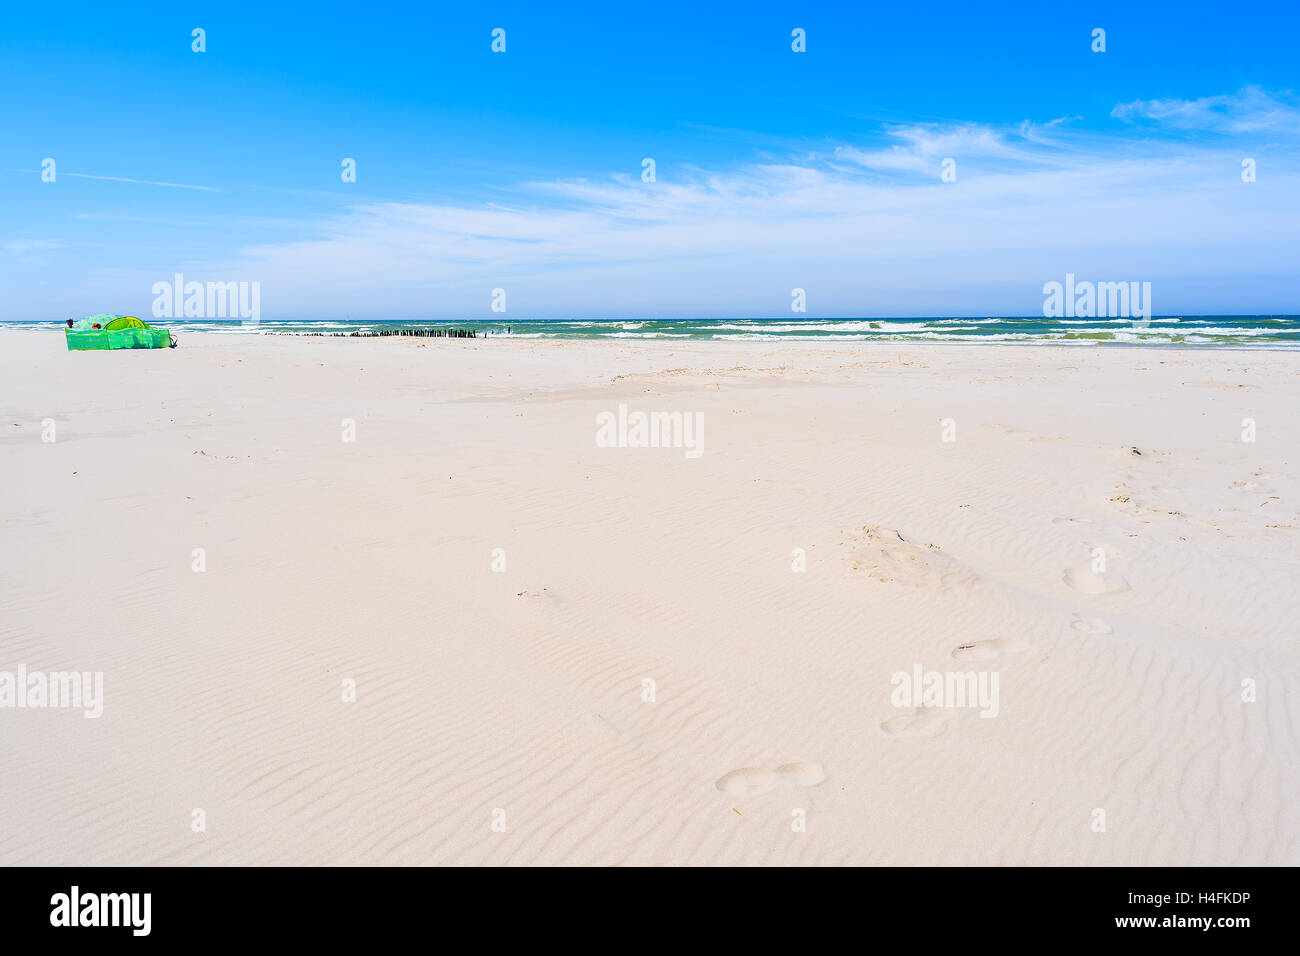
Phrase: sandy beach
x=391 y=602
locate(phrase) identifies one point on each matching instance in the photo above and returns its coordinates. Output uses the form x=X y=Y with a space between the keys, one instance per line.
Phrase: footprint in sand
x=922 y=722
x=1086 y=581
x=752 y=781
x=1089 y=625
x=988 y=650
x=1111 y=552
x=885 y=555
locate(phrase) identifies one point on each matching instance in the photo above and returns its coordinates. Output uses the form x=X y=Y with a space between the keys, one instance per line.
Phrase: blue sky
x=774 y=169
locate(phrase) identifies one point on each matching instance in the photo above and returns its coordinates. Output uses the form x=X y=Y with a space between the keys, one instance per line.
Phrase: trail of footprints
x=887 y=556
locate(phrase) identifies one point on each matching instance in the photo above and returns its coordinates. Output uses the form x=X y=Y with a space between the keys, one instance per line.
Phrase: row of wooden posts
x=384 y=333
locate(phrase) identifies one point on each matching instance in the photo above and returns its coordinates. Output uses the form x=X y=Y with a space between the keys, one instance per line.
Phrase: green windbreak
x=125 y=322
x=128 y=338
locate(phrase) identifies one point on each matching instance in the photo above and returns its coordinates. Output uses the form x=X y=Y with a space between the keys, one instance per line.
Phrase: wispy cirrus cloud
x=736 y=241
x=865 y=228
x=29 y=251
x=1248 y=110
x=121 y=179
x=18 y=247
x=923 y=148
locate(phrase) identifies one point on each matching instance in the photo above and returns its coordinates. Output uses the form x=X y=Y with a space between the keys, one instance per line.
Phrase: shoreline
x=775 y=341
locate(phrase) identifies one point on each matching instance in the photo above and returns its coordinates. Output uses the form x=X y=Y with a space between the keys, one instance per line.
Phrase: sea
x=1257 y=331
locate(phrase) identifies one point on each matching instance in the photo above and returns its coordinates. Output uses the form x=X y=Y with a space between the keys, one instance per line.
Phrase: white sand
x=523 y=690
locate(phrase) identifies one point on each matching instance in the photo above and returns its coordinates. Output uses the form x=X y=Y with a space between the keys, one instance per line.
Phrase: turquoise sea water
x=1259 y=331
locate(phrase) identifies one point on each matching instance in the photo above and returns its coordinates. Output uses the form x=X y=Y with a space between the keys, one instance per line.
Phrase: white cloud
x=866 y=229
x=19 y=247
x=1249 y=110
x=922 y=148
x=737 y=242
